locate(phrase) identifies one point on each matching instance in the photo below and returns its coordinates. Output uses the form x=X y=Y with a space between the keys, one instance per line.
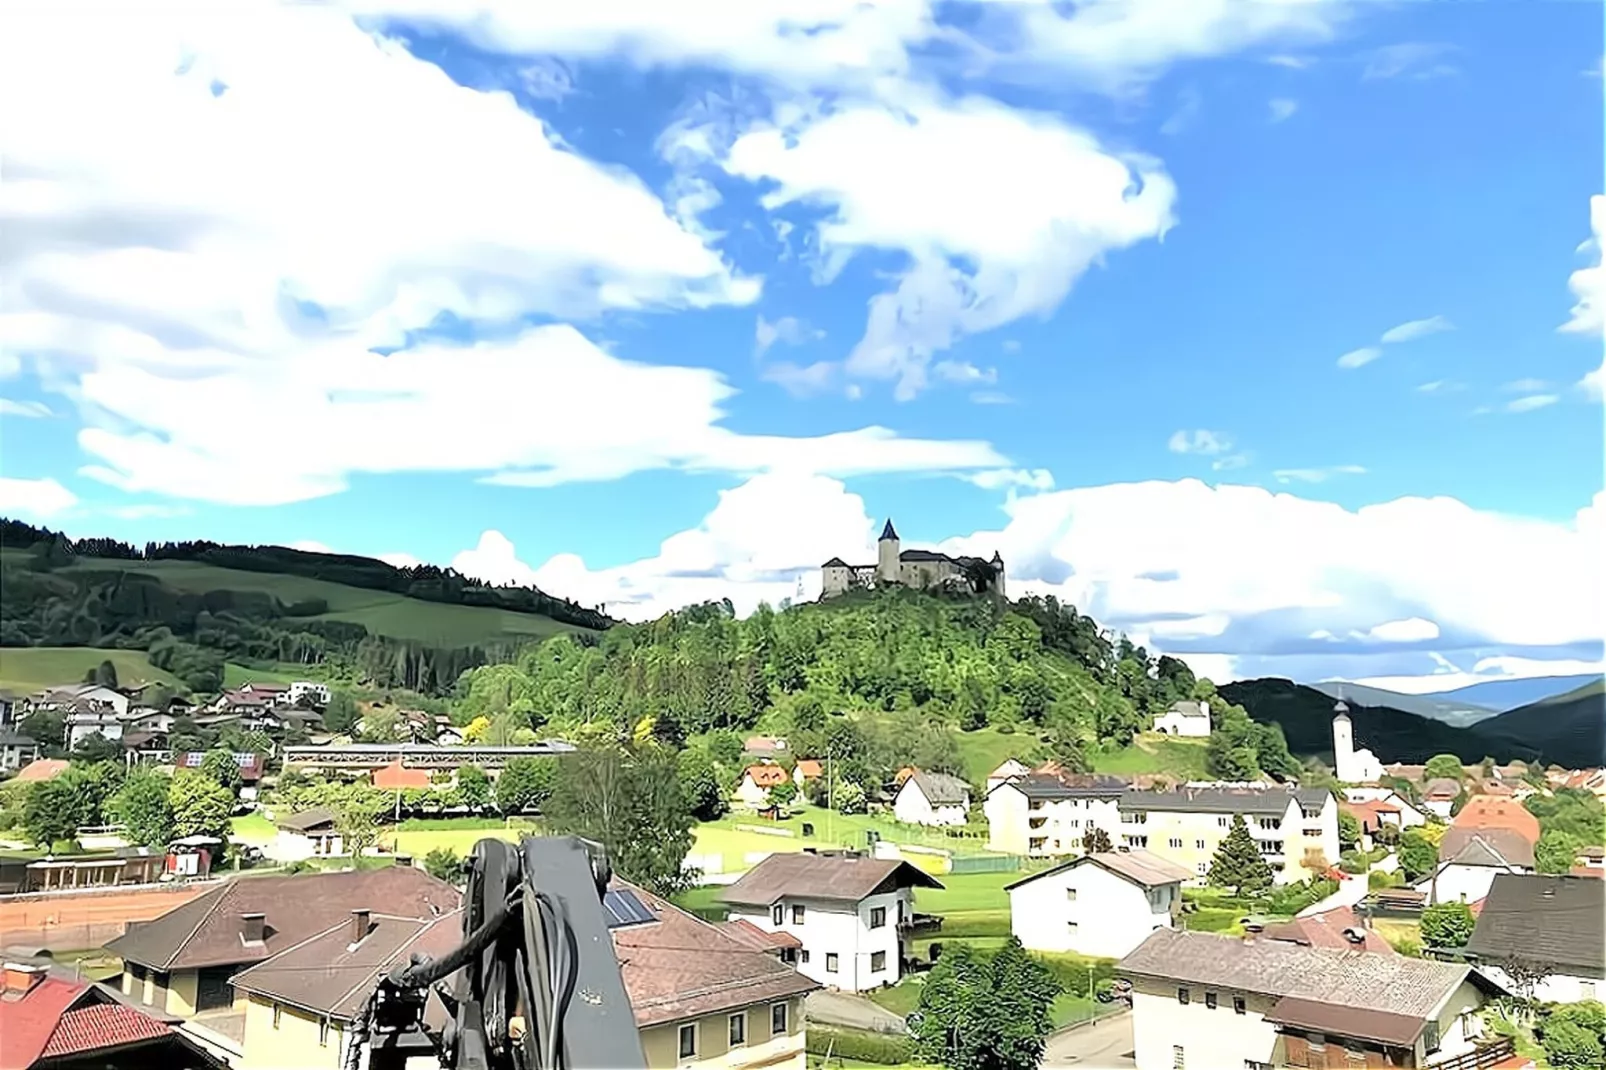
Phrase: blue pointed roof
x=888 y=532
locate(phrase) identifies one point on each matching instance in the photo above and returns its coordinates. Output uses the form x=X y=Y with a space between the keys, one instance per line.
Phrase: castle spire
x=888 y=532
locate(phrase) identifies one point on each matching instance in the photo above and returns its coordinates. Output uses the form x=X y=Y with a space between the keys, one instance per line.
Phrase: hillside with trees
x=877 y=679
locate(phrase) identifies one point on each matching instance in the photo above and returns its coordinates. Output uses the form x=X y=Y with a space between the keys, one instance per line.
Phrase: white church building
x=1350 y=765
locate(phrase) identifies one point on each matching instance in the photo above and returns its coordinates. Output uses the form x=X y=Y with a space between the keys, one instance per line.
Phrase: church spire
x=889 y=532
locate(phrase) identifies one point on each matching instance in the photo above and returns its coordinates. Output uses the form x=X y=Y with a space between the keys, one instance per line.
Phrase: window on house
x=1430 y=1037
x=1198 y=845
x=1224 y=822
x=778 y=1017
x=1176 y=843
x=1070 y=926
x=878 y=917
x=878 y=961
x=1179 y=1058
x=1210 y=1001
x=789 y=955
x=688 y=1041
x=778 y=915
x=1070 y=895
x=1182 y=996
x=797 y=914
x=830 y=962
x=1203 y=869
x=738 y=1029
x=1587 y=989
x=900 y=912
x=805 y=954
x=1238 y=1005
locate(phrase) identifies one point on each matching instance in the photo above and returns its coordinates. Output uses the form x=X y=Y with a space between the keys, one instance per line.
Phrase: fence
x=984 y=864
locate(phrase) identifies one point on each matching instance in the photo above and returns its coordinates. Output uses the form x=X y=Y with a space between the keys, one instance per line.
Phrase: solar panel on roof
x=623 y=908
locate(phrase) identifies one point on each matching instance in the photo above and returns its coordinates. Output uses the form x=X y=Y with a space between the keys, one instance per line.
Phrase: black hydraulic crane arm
x=535 y=984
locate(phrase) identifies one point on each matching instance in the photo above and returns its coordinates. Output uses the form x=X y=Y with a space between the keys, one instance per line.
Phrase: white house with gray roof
x=1206 y=1002
x=932 y=799
x=1185 y=718
x=1046 y=815
x=1296 y=828
x=1102 y=904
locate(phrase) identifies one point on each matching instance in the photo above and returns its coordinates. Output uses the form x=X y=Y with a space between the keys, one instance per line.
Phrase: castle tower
x=998 y=574
x=1343 y=744
x=887 y=555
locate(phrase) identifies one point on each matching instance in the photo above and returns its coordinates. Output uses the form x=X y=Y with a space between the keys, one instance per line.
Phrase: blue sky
x=1291 y=304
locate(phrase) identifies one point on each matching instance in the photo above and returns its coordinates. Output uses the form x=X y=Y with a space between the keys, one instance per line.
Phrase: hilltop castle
x=921 y=569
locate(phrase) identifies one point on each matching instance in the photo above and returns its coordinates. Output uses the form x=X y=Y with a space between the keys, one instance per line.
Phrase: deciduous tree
x=201 y=806
x=1096 y=841
x=1447 y=925
x=986 y=1015
x=525 y=783
x=630 y=801
x=142 y=806
x=474 y=787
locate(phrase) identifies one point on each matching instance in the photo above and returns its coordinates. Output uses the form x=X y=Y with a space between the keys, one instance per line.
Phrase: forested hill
x=903 y=666
x=194 y=606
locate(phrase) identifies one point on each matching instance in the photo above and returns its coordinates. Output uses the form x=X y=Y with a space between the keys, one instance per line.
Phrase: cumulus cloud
x=997 y=211
x=38 y=498
x=1410 y=630
x=1201 y=441
x=600 y=418
x=400 y=560
x=1000 y=478
x=788 y=330
x=495 y=561
x=1282 y=108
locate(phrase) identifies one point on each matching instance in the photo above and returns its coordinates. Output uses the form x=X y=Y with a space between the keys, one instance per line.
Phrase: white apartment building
x=853 y=916
x=1206 y=1002
x=1291 y=825
x=303 y=688
x=1046 y=815
x=1102 y=905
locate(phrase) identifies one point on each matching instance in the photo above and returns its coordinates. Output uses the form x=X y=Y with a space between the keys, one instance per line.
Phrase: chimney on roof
x=21 y=977
x=359 y=925
x=1252 y=929
x=253 y=928
x=1355 y=936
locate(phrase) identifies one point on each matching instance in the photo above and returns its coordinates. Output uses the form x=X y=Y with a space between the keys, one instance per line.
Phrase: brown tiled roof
x=307 y=820
x=1354 y=979
x=833 y=877
x=396 y=776
x=1495 y=812
x=1140 y=867
x=767 y=776
x=327 y=974
x=1327 y=929
x=1486 y=847
x=1364 y=1023
x=42 y=769
x=683 y=967
x=810 y=768
x=940 y=789
x=1441 y=788
x=747 y=933
x=206 y=930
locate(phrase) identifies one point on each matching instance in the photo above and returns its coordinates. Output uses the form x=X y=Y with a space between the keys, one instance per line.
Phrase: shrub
x=1071 y=970
x=1378 y=879
x=883 y=1048
x=1569 y=1044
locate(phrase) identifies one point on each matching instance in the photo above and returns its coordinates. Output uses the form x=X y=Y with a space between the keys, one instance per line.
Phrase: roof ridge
x=178 y=948
x=423 y=927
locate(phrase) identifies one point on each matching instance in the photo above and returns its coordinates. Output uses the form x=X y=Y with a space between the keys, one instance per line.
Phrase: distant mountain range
x=1509 y=694
x=1568 y=729
x=1462 y=706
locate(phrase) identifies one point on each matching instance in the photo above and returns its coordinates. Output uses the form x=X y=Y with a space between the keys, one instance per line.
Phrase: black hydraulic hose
x=424 y=974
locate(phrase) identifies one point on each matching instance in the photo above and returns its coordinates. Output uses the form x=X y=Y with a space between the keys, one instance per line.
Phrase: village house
x=1497 y=812
x=753 y=790
x=85 y=719
x=1439 y=796
x=1340 y=928
x=1471 y=859
x=60 y=1023
x=1185 y=718
x=1590 y=780
x=1391 y=808
x=1102 y=905
x=88 y=696
x=250 y=764
x=1046 y=815
x=1556 y=921
x=1210 y=1002
x=805 y=770
x=1295 y=828
x=853 y=916
x=1007 y=770
x=309 y=834
x=932 y=799
x=16 y=750
x=184 y=962
x=764 y=746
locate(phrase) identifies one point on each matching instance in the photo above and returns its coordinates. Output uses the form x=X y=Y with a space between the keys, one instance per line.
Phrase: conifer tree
x=1238 y=864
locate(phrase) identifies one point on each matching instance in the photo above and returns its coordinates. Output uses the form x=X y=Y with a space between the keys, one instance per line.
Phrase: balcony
x=1480 y=1058
x=920 y=925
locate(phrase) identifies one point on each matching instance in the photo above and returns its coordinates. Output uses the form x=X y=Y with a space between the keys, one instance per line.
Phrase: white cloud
x=311 y=546
x=1588 y=285
x=1418 y=61
x=1525 y=386
x=1414 y=329
x=1486 y=669
x=1281 y=108
x=600 y=418
x=788 y=330
x=1293 y=63
x=148 y=511
x=999 y=211
x=1409 y=630
x=999 y=478
x=1230 y=462
x=1357 y=358
x=31 y=410
x=1202 y=441
x=494 y=561
x=1531 y=402
x=1316 y=475
x=1441 y=386
x=1189 y=103
x=38 y=498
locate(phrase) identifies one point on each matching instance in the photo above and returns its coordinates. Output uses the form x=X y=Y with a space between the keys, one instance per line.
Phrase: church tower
x=887 y=556
x=1343 y=744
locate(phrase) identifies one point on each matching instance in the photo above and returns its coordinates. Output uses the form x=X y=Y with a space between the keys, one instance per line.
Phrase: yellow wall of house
x=293 y=1042
x=181 y=987
x=661 y=1044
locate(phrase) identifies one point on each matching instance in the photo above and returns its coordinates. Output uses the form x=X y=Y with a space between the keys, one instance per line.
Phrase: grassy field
x=1153 y=753
x=252 y=829
x=382 y=612
x=34 y=667
x=986 y=749
x=240 y=675
x=733 y=844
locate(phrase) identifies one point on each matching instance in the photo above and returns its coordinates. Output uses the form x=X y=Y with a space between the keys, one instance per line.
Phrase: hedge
x=883 y=1048
x=974 y=923
x=1070 y=970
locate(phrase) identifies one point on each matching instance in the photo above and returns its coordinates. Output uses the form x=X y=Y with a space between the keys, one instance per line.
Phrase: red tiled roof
x=745 y=931
x=810 y=768
x=27 y=1023
x=767 y=776
x=1588 y=871
x=101 y=1025
x=1327 y=930
x=1492 y=812
x=396 y=776
x=42 y=769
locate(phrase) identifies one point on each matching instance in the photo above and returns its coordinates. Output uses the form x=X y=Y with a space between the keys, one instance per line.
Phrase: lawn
x=419 y=842
x=733 y=843
x=1153 y=753
x=987 y=748
x=967 y=892
x=240 y=675
x=31 y=668
x=253 y=829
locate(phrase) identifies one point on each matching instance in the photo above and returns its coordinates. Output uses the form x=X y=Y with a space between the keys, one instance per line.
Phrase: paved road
x=1104 y=1045
x=844 y=1008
